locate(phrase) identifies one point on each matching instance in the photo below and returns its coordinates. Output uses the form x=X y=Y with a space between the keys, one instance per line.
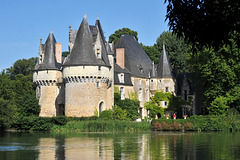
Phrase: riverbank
x=198 y=123
x=95 y=124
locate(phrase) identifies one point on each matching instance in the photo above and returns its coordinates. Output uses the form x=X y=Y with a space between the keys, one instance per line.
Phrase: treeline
x=17 y=92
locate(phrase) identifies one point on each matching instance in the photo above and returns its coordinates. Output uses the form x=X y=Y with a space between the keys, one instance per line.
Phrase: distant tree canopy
x=204 y=22
x=176 y=48
x=22 y=66
x=118 y=33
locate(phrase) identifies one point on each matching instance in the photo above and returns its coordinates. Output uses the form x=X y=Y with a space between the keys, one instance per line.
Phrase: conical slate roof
x=49 y=60
x=82 y=52
x=164 y=67
x=137 y=61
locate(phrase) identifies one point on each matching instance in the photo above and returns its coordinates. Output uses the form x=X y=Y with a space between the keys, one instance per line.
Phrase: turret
x=164 y=74
x=86 y=74
x=46 y=75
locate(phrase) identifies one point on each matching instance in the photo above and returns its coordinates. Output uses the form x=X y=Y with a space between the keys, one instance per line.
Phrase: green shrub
x=106 y=115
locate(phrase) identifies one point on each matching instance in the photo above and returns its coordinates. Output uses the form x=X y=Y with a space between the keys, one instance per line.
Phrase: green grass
x=102 y=126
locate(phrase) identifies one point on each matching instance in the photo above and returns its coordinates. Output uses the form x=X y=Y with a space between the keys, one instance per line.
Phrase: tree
x=219 y=106
x=176 y=48
x=152 y=52
x=22 y=66
x=129 y=106
x=204 y=23
x=218 y=71
x=118 y=33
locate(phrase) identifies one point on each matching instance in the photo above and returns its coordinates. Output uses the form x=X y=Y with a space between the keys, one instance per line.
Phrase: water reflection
x=142 y=146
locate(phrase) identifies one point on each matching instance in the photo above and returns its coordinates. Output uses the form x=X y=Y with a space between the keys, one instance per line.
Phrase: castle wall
x=47 y=91
x=85 y=90
x=166 y=85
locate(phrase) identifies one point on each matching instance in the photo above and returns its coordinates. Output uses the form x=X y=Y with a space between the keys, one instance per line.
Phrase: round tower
x=46 y=76
x=86 y=74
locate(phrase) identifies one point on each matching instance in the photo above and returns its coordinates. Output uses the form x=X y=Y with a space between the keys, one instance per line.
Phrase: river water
x=142 y=146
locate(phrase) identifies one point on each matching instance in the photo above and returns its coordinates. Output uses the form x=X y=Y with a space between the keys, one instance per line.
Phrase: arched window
x=100 y=109
x=140 y=94
x=147 y=95
x=122 y=92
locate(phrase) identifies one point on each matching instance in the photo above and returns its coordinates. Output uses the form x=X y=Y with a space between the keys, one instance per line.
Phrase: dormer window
x=98 y=53
x=121 y=78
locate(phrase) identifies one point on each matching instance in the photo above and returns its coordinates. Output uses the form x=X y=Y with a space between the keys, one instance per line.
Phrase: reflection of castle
x=84 y=81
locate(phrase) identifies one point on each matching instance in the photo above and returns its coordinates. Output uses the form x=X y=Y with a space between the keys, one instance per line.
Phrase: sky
x=23 y=22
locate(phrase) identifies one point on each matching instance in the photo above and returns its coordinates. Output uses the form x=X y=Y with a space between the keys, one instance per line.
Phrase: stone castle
x=84 y=81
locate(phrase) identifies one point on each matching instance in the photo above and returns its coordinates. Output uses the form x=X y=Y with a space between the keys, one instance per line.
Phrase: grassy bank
x=199 y=123
x=95 y=124
x=102 y=126
x=74 y=124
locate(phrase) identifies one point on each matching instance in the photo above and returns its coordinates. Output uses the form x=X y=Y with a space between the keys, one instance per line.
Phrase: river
x=142 y=146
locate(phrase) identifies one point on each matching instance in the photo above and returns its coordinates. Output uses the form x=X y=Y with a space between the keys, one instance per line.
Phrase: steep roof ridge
x=98 y=24
x=49 y=58
x=82 y=52
x=164 y=69
x=104 y=50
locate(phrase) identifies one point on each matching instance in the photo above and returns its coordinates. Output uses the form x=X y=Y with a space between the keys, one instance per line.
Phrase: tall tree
x=22 y=66
x=204 y=22
x=152 y=52
x=118 y=33
x=219 y=74
x=176 y=48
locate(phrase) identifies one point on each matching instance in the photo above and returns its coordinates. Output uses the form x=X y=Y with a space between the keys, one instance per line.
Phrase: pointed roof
x=98 y=24
x=49 y=59
x=137 y=62
x=82 y=52
x=164 y=69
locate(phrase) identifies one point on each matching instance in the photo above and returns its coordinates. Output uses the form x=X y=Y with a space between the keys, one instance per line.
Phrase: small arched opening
x=158 y=115
x=100 y=107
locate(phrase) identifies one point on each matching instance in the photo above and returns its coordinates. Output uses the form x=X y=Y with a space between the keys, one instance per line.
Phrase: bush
x=106 y=115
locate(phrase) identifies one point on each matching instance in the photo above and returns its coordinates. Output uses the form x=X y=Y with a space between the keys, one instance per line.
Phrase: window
x=97 y=84
x=166 y=89
x=98 y=53
x=185 y=95
x=147 y=96
x=121 y=78
x=122 y=93
x=99 y=68
x=165 y=103
x=140 y=94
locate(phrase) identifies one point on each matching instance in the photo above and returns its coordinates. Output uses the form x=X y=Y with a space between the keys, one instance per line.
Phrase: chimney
x=120 y=57
x=58 y=52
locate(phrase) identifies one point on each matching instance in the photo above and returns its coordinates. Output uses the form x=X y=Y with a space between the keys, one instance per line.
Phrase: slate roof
x=137 y=61
x=49 y=59
x=82 y=52
x=127 y=76
x=164 y=69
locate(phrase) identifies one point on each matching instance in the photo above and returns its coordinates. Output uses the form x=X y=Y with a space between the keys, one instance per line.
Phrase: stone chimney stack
x=58 y=52
x=120 y=57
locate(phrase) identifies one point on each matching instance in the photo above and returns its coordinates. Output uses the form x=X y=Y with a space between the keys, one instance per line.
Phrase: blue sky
x=23 y=22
